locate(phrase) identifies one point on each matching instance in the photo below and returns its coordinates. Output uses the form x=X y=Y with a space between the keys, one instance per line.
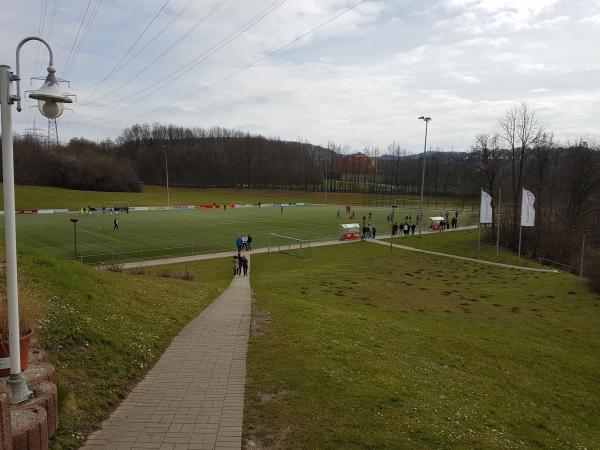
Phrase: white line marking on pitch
x=80 y=228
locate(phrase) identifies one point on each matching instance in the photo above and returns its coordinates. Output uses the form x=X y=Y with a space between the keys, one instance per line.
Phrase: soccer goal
x=300 y=248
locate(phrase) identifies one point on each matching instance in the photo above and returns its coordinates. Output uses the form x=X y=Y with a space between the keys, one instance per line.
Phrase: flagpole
x=521 y=222
x=498 y=223
x=520 y=237
x=479 y=225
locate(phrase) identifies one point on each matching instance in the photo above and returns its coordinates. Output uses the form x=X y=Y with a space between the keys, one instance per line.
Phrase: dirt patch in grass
x=260 y=322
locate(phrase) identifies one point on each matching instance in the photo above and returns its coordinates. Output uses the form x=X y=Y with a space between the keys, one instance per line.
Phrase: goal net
x=300 y=248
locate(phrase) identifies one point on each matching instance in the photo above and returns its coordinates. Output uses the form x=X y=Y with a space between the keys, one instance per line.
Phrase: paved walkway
x=193 y=398
x=463 y=258
x=186 y=259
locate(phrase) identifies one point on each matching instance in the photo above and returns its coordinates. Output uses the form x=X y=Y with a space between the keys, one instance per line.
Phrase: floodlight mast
x=51 y=98
x=421 y=218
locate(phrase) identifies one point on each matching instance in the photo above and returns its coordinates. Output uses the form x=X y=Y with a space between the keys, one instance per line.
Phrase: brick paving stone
x=193 y=398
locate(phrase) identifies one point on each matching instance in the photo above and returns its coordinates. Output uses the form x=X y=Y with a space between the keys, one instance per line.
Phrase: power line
x=185 y=68
x=151 y=41
x=52 y=20
x=41 y=26
x=248 y=66
x=41 y=22
x=74 y=45
x=88 y=26
x=112 y=71
x=198 y=22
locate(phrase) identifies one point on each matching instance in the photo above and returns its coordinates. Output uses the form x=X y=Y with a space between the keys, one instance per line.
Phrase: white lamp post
x=427 y=120
x=51 y=104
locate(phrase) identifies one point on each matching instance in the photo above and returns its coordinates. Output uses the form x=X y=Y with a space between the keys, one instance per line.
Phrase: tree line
x=519 y=152
x=564 y=177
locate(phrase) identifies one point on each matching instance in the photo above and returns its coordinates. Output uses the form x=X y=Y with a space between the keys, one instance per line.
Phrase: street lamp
x=167 y=175
x=426 y=120
x=51 y=104
x=75 y=235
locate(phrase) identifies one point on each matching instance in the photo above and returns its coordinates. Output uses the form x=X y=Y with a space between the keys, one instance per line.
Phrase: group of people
x=243 y=242
x=368 y=231
x=407 y=228
x=448 y=223
x=240 y=265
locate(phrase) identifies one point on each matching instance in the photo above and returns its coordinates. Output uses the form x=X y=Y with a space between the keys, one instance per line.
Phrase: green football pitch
x=158 y=234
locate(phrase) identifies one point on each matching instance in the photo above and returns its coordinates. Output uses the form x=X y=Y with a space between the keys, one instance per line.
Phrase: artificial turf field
x=183 y=232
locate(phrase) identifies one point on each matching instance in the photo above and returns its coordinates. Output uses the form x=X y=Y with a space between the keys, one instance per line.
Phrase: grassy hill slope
x=363 y=348
x=103 y=331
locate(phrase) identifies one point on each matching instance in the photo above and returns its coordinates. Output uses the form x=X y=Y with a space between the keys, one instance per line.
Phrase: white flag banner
x=527 y=209
x=485 y=211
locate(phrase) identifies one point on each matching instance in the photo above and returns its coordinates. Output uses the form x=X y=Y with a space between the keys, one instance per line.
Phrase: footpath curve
x=185 y=259
x=463 y=258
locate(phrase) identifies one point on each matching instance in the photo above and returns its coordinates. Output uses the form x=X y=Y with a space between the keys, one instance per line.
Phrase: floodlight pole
x=498 y=217
x=426 y=120
x=326 y=185
x=582 y=254
x=167 y=175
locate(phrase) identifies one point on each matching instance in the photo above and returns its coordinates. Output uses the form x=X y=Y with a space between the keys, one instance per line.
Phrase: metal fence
x=563 y=267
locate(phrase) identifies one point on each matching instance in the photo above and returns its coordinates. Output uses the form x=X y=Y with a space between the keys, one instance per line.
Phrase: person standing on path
x=374 y=231
x=249 y=242
x=116 y=224
x=238 y=243
x=245 y=265
x=236 y=265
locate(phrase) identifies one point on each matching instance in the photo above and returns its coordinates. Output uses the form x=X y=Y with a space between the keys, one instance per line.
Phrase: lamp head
x=50 y=97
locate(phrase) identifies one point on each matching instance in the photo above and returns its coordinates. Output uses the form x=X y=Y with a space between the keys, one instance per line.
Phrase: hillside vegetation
x=402 y=350
x=103 y=331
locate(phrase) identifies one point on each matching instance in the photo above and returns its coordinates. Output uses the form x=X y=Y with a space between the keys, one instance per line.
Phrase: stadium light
x=50 y=101
x=426 y=120
x=167 y=175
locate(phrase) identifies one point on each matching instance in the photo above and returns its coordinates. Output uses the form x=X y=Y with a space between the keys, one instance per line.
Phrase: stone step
x=5 y=432
x=29 y=428
x=29 y=425
x=44 y=397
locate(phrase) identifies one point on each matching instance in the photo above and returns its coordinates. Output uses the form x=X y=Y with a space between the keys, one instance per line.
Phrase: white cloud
x=360 y=80
x=594 y=20
x=463 y=77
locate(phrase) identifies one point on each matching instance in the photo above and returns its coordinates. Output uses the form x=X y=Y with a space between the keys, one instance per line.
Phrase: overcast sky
x=361 y=80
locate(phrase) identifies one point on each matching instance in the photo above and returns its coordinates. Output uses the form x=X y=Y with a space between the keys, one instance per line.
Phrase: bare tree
x=490 y=160
x=519 y=131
